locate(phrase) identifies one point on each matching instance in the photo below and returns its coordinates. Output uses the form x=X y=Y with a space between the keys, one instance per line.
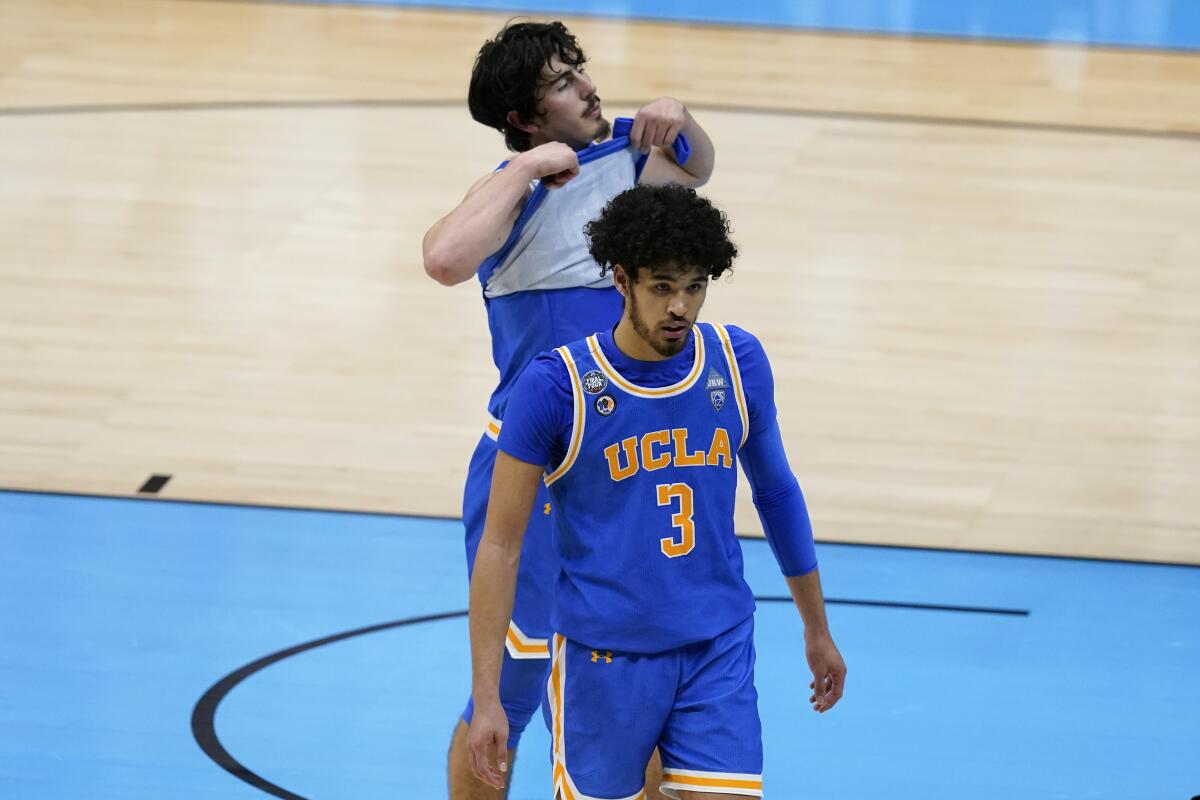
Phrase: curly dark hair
x=653 y=226
x=508 y=73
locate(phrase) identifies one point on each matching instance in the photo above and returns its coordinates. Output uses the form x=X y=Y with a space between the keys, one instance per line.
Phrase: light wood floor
x=976 y=267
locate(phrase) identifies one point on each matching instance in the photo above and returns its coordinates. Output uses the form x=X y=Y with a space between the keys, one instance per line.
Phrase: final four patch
x=716 y=388
x=605 y=404
x=594 y=382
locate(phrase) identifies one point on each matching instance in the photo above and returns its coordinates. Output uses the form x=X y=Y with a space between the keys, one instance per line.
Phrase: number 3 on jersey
x=682 y=544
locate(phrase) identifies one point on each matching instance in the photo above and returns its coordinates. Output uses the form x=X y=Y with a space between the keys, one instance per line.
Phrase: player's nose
x=586 y=87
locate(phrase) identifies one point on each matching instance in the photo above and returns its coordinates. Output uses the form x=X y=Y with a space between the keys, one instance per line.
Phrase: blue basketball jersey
x=644 y=502
x=542 y=287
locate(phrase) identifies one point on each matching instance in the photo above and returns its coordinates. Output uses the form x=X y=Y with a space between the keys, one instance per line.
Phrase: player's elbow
x=441 y=265
x=502 y=546
x=440 y=272
x=700 y=176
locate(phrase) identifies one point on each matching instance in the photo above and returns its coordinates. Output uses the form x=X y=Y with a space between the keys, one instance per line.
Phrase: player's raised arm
x=456 y=244
x=654 y=130
x=514 y=486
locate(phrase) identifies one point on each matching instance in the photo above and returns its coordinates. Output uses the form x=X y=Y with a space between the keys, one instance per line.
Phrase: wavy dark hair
x=508 y=73
x=654 y=226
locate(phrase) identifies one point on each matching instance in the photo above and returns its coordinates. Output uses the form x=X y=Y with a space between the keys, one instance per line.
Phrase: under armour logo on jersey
x=607 y=656
x=546 y=509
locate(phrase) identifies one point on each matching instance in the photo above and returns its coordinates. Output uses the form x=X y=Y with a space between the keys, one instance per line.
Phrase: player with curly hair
x=637 y=431
x=520 y=231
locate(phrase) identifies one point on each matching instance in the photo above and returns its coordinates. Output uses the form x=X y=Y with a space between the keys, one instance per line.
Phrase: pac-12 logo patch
x=605 y=404
x=594 y=382
x=718 y=398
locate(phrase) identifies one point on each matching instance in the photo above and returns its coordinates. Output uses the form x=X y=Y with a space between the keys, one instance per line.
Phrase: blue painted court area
x=118 y=615
x=1157 y=24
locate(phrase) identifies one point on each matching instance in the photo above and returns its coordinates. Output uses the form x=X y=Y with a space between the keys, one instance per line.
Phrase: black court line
x=440 y=518
x=914 y=36
x=231 y=504
x=805 y=113
x=832 y=601
x=204 y=714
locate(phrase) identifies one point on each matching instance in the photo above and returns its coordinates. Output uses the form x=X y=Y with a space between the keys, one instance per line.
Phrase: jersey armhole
x=735 y=374
x=578 y=418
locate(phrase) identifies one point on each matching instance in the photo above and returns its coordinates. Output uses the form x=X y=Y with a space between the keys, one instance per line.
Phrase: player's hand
x=828 y=669
x=657 y=123
x=487 y=743
x=554 y=163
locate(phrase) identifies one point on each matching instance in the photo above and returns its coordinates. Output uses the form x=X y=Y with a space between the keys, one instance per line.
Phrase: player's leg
x=606 y=712
x=654 y=777
x=711 y=744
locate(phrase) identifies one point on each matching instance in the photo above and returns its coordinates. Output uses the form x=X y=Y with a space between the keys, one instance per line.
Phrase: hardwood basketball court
x=973 y=264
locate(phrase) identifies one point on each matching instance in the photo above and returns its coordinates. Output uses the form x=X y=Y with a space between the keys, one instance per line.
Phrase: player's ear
x=621 y=279
x=514 y=119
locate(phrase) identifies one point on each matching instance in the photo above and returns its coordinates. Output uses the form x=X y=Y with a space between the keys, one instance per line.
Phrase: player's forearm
x=810 y=602
x=494 y=577
x=457 y=243
x=493 y=583
x=704 y=156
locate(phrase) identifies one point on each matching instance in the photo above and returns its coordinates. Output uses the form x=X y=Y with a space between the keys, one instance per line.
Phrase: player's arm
x=654 y=130
x=785 y=520
x=458 y=242
x=493 y=583
x=539 y=410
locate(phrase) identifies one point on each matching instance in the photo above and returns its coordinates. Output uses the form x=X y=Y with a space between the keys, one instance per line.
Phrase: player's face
x=570 y=107
x=662 y=306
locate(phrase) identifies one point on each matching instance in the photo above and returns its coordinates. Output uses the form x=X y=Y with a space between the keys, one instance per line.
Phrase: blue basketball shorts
x=527 y=654
x=609 y=710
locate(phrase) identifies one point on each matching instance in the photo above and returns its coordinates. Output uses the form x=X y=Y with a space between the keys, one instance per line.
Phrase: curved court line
x=204 y=714
x=808 y=113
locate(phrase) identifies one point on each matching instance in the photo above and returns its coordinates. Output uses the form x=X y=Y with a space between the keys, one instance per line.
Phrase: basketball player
x=635 y=430
x=520 y=231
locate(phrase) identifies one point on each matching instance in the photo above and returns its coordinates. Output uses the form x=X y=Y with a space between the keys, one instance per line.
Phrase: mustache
x=594 y=101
